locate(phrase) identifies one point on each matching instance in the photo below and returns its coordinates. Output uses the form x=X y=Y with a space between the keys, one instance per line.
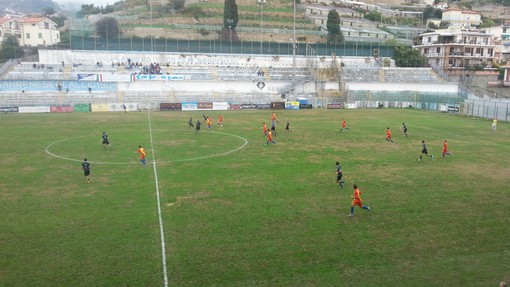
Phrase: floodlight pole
x=261 y=3
x=294 y=54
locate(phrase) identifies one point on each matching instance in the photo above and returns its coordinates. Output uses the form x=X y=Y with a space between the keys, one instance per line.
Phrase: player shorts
x=356 y=202
x=86 y=172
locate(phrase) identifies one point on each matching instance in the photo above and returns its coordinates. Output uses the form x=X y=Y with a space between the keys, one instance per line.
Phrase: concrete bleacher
x=391 y=75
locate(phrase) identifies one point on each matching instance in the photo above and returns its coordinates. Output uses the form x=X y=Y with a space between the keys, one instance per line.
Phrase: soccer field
x=235 y=212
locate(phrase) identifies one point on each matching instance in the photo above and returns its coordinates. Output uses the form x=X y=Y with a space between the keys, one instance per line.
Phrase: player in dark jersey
x=287 y=127
x=105 y=140
x=424 y=150
x=197 y=126
x=404 y=129
x=339 y=175
x=85 y=165
x=273 y=127
x=190 y=122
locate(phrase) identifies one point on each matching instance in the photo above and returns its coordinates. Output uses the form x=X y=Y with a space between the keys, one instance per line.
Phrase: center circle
x=89 y=148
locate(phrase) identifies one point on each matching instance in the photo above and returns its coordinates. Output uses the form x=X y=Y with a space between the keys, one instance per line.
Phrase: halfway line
x=161 y=230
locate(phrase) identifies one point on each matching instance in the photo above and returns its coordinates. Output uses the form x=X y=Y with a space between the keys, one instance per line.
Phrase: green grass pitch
x=236 y=212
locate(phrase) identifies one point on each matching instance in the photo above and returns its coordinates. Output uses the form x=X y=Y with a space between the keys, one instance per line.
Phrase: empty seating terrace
x=391 y=75
x=199 y=67
x=58 y=72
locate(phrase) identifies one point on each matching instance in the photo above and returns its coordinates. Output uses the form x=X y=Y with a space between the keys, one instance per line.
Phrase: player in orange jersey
x=264 y=128
x=141 y=151
x=273 y=118
x=344 y=125
x=445 y=149
x=388 y=135
x=220 y=121
x=356 y=200
x=209 y=122
x=270 y=138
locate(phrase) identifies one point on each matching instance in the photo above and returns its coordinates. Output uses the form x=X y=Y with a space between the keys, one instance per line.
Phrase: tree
x=230 y=19
x=408 y=57
x=374 y=16
x=230 y=14
x=107 y=27
x=50 y=13
x=335 y=35
x=178 y=5
x=10 y=48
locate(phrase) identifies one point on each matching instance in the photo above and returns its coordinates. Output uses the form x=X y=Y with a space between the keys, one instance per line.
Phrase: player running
x=141 y=151
x=106 y=141
x=270 y=138
x=190 y=122
x=197 y=126
x=445 y=149
x=339 y=175
x=264 y=129
x=85 y=165
x=209 y=123
x=344 y=125
x=357 y=200
x=388 y=135
x=287 y=128
x=424 y=150
x=220 y=121
x=403 y=128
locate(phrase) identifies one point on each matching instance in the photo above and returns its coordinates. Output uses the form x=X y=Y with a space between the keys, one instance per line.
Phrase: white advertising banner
x=34 y=109
x=123 y=107
x=143 y=77
x=220 y=106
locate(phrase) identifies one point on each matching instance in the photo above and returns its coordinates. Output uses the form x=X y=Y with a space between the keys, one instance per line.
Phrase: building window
x=40 y=35
x=426 y=51
x=490 y=52
x=478 y=51
x=429 y=39
x=46 y=25
x=28 y=36
x=438 y=50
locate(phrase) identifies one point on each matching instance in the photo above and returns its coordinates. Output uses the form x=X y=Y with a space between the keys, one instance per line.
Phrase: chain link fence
x=149 y=44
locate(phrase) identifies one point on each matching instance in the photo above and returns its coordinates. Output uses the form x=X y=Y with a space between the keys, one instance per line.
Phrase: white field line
x=245 y=142
x=161 y=230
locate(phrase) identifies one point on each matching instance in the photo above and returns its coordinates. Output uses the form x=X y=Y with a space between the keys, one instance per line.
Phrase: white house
x=441 y=5
x=30 y=31
x=461 y=18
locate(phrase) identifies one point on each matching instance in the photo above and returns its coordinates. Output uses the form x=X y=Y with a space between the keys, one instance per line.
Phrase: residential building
x=321 y=10
x=30 y=31
x=457 y=49
x=501 y=34
x=458 y=18
x=441 y=5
